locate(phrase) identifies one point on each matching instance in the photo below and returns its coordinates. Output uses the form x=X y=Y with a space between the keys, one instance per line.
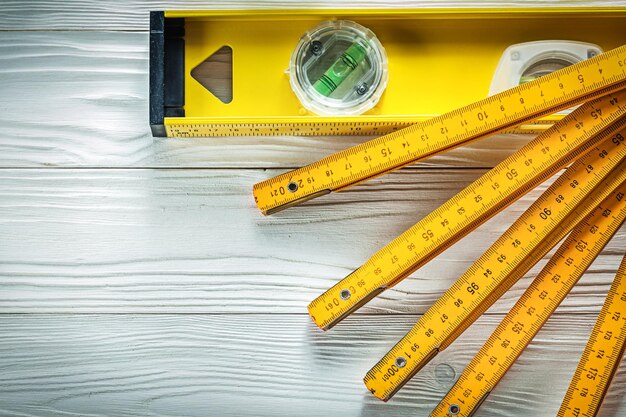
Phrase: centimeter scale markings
x=534 y=307
x=565 y=203
x=509 y=180
x=237 y=127
x=575 y=84
x=601 y=356
x=346 y=126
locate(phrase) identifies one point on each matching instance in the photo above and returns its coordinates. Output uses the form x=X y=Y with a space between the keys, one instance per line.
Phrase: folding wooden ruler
x=521 y=324
x=591 y=139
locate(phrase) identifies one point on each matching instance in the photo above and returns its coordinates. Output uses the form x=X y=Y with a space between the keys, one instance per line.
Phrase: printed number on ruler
x=571 y=85
x=509 y=180
x=534 y=308
x=566 y=202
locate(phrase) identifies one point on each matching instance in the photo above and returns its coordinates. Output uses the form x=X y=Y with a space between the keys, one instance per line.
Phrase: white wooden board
x=192 y=241
x=259 y=365
x=130 y=15
x=138 y=279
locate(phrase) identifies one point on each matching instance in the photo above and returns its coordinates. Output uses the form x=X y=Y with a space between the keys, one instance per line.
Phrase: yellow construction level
x=439 y=59
x=534 y=308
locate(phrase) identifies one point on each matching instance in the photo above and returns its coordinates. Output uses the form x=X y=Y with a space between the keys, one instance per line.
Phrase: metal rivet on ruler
x=400 y=362
x=292 y=187
x=454 y=409
x=345 y=294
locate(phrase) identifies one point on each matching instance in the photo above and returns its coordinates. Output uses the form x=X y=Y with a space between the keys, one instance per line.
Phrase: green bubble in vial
x=524 y=80
x=340 y=70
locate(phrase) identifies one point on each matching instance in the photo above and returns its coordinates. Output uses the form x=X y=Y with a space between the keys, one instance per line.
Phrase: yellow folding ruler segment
x=522 y=171
x=565 y=203
x=602 y=354
x=439 y=59
x=561 y=89
x=534 y=307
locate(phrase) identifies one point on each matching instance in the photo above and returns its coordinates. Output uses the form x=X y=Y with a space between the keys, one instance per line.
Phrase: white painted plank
x=259 y=365
x=132 y=15
x=137 y=240
x=188 y=241
x=80 y=99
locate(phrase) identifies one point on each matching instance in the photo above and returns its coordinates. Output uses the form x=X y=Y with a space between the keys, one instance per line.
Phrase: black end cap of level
x=167 y=75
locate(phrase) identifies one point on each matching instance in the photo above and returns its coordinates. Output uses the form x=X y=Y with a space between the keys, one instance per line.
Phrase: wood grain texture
x=79 y=99
x=131 y=15
x=193 y=241
x=93 y=220
x=256 y=365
